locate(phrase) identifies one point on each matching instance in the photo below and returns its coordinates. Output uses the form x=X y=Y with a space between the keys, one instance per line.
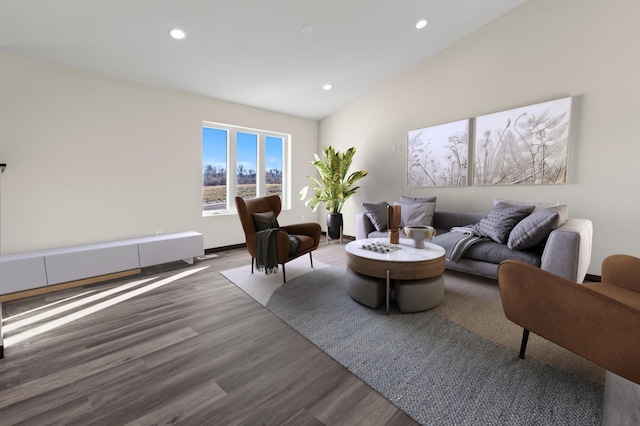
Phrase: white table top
x=403 y=252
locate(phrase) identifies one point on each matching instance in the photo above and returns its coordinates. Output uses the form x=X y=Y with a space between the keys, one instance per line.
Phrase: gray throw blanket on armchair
x=267 y=251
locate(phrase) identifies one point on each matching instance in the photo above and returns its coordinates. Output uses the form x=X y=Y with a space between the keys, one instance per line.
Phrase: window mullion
x=232 y=180
x=261 y=189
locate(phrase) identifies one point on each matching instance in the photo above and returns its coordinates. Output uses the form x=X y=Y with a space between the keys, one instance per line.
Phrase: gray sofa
x=565 y=252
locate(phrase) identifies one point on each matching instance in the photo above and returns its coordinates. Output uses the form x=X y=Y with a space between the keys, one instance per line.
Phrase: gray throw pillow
x=377 y=214
x=416 y=214
x=535 y=228
x=265 y=220
x=500 y=220
x=411 y=200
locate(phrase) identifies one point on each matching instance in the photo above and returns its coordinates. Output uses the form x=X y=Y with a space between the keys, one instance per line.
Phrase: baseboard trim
x=63 y=286
x=244 y=245
x=224 y=248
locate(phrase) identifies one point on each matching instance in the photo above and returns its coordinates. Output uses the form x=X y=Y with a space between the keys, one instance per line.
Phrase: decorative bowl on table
x=419 y=233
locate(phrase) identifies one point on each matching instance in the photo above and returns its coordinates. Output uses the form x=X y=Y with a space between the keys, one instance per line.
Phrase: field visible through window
x=216 y=196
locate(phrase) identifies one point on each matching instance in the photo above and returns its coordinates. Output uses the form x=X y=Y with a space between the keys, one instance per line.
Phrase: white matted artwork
x=522 y=146
x=438 y=155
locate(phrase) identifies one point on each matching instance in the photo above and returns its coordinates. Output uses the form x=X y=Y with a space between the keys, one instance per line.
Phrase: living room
x=141 y=145
x=94 y=158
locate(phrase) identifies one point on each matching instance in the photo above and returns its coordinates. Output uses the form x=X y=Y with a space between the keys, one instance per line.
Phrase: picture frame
x=523 y=146
x=438 y=156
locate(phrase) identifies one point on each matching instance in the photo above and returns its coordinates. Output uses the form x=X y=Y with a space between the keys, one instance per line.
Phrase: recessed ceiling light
x=421 y=24
x=307 y=29
x=327 y=86
x=177 y=33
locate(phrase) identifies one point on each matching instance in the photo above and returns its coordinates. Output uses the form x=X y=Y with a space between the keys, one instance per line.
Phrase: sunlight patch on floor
x=12 y=340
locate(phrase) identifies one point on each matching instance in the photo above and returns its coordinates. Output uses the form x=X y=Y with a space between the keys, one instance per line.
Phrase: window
x=240 y=161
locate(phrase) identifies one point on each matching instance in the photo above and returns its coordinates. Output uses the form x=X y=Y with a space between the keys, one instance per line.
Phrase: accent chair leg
x=311 y=258
x=252 y=259
x=284 y=274
x=523 y=345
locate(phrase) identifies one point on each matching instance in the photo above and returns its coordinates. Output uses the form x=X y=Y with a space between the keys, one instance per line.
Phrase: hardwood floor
x=198 y=351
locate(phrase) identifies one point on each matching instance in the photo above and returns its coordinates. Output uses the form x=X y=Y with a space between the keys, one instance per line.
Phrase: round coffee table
x=420 y=284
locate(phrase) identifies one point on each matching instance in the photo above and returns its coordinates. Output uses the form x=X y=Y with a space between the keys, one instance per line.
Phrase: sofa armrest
x=567 y=252
x=622 y=270
x=363 y=226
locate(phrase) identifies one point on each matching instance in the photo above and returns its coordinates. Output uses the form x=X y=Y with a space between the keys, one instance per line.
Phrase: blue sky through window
x=274 y=153
x=214 y=149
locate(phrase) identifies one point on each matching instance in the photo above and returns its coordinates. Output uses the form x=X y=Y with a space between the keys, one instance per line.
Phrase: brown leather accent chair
x=309 y=233
x=598 y=321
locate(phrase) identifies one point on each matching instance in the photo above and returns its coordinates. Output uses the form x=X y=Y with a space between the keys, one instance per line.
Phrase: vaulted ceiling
x=271 y=54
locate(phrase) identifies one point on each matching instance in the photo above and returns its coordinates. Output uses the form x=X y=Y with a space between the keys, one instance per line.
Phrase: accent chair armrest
x=622 y=270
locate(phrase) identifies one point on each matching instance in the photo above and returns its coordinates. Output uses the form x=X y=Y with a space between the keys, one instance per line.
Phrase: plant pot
x=334 y=225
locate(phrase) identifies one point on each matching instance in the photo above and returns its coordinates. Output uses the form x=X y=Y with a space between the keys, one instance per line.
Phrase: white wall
x=543 y=50
x=92 y=158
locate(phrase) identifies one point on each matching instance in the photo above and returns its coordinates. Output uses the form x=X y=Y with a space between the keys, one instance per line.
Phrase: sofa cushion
x=377 y=214
x=412 y=200
x=378 y=234
x=416 y=214
x=535 y=228
x=492 y=252
x=500 y=220
x=265 y=220
x=447 y=219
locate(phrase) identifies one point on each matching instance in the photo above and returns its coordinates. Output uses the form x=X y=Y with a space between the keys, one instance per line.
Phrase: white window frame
x=260 y=165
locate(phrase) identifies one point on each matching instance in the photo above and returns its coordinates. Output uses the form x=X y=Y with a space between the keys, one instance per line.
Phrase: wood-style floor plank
x=198 y=351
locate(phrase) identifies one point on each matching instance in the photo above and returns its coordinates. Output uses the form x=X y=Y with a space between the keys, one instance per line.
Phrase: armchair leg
x=523 y=345
x=252 y=259
x=284 y=274
x=311 y=258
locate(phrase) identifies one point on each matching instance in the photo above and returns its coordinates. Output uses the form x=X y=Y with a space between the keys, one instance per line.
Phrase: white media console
x=21 y=272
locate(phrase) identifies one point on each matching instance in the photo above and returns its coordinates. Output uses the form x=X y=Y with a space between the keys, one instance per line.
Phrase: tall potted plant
x=334 y=187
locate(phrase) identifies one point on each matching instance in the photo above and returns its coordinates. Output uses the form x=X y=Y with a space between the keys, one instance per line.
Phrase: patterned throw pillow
x=500 y=220
x=265 y=220
x=377 y=214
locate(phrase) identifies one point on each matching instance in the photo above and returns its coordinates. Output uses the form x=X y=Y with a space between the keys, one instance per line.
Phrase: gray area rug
x=433 y=369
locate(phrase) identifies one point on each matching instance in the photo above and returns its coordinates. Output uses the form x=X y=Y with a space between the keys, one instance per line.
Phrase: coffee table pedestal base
x=368 y=291
x=419 y=295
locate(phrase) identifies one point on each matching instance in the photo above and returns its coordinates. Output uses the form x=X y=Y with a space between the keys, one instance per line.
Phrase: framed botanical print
x=527 y=145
